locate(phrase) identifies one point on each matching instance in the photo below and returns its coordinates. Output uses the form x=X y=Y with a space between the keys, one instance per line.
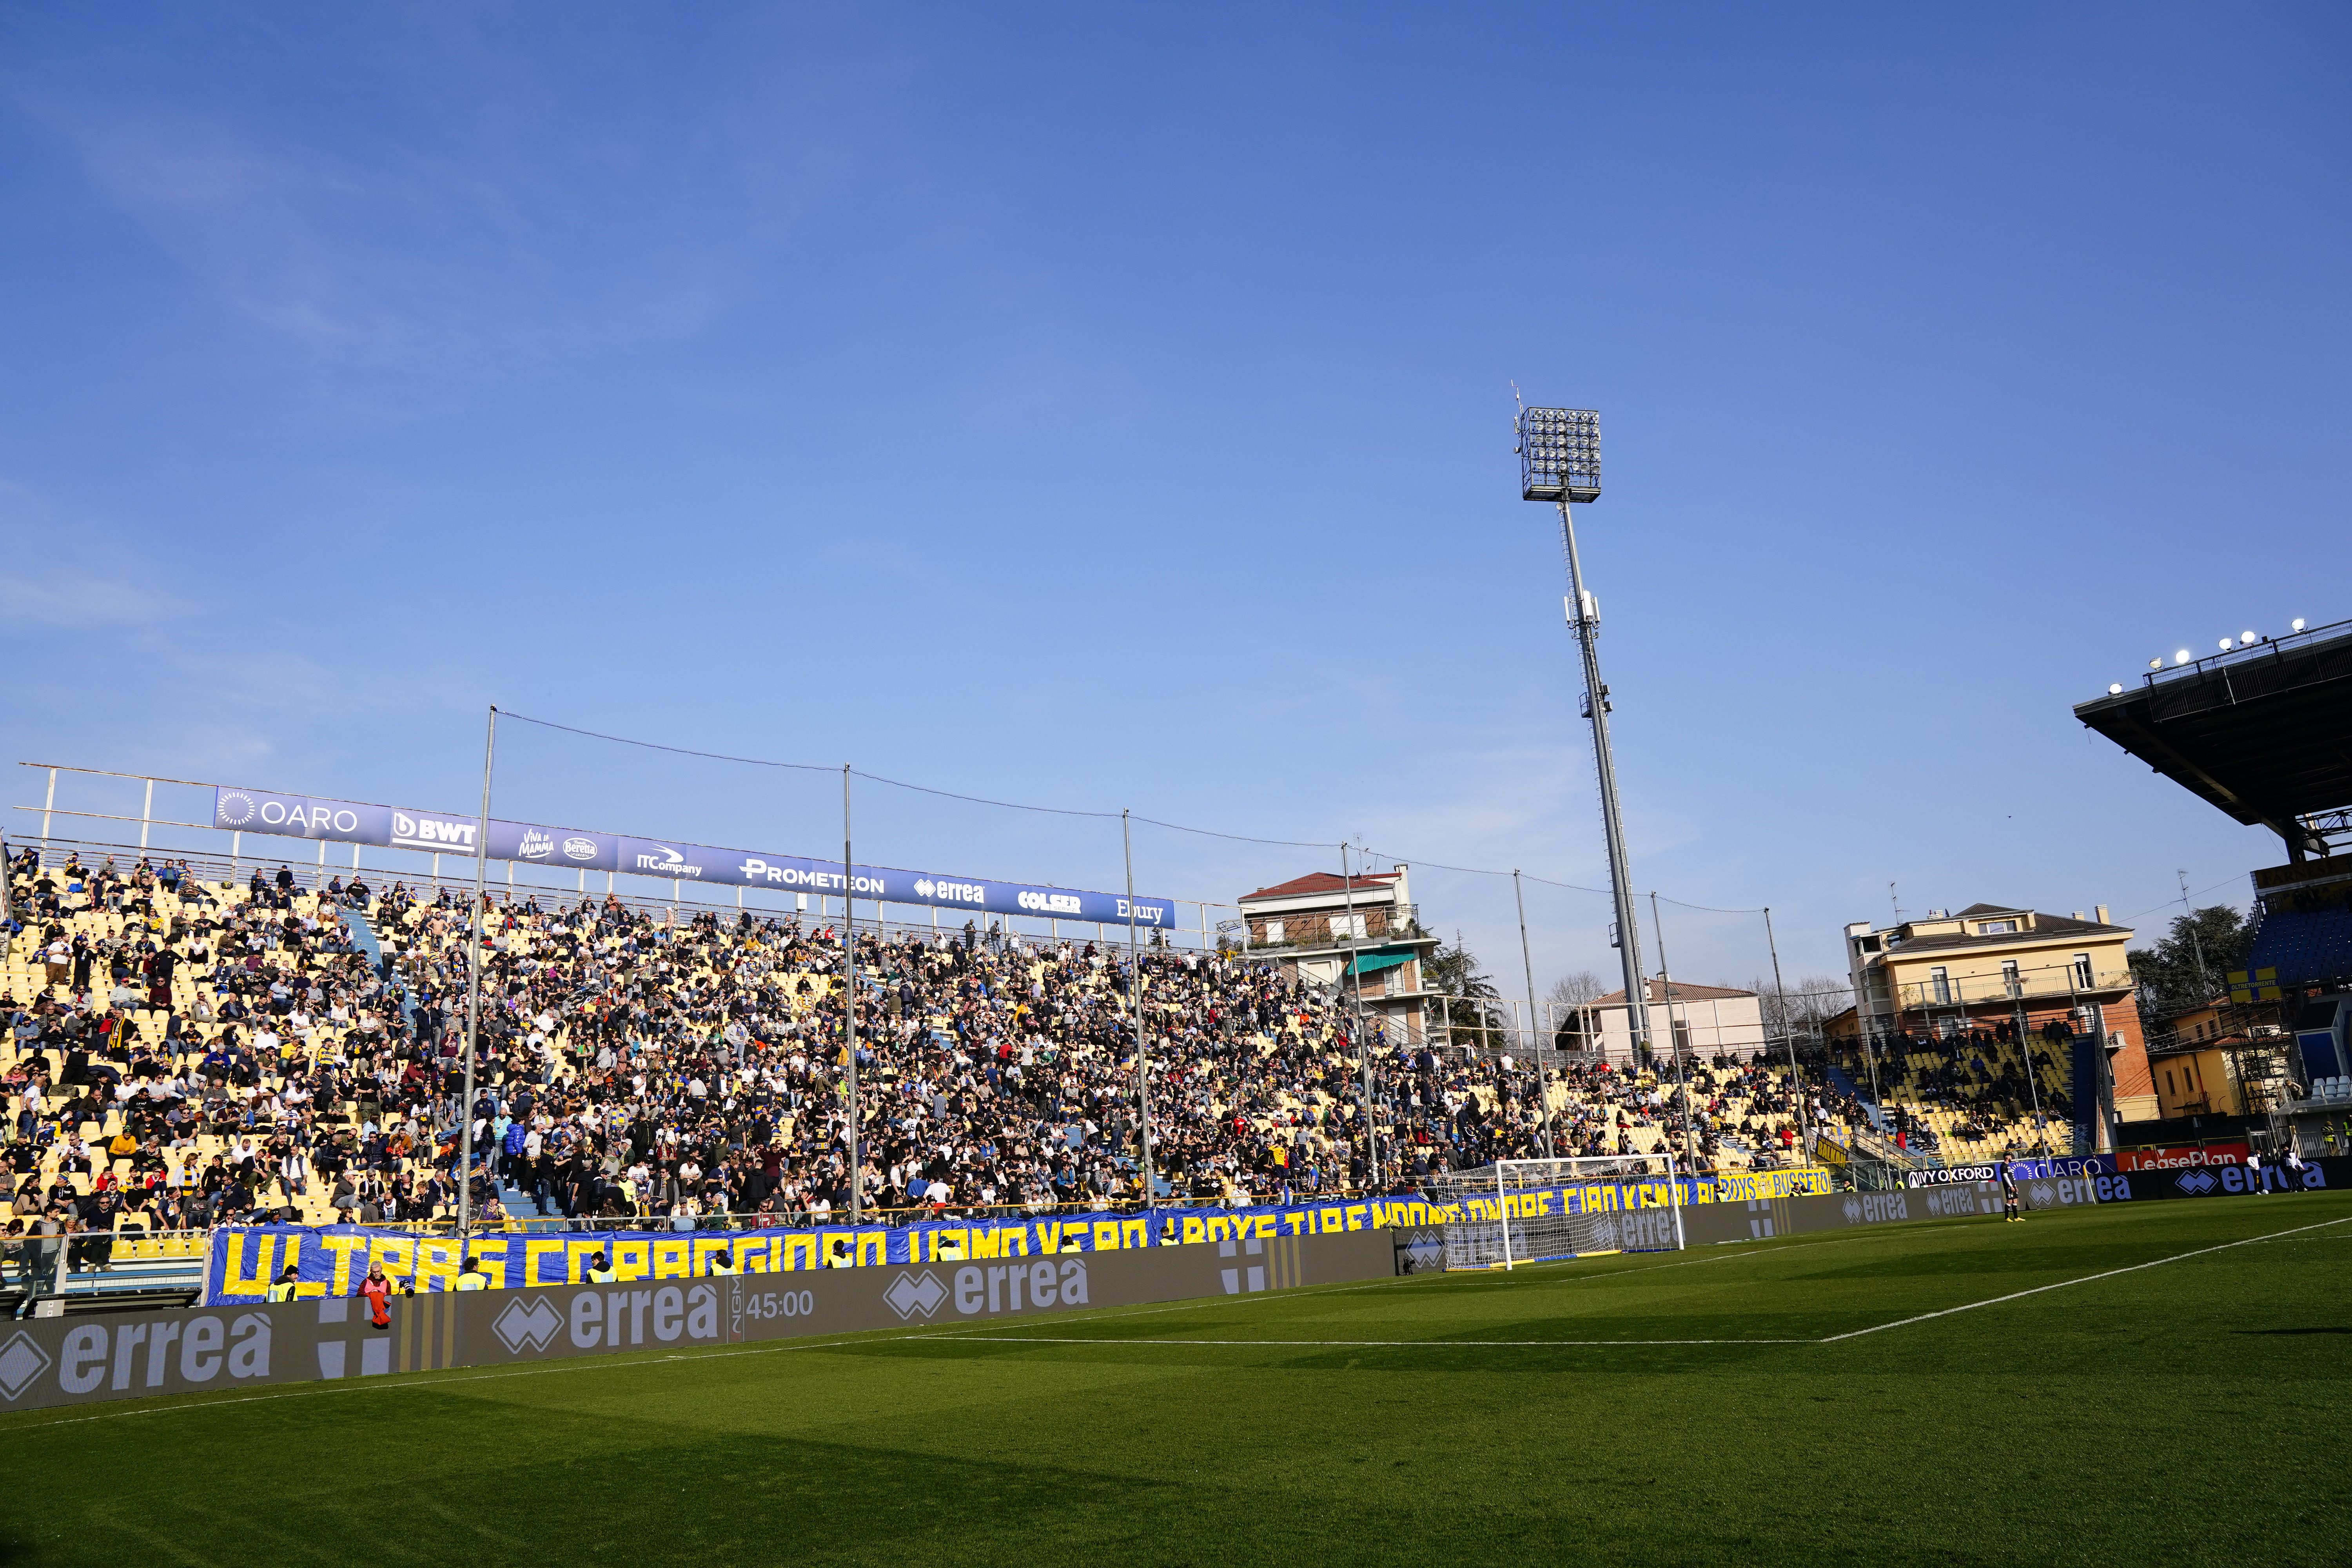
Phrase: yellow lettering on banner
x=394 y=1255
x=532 y=1251
x=437 y=1265
x=1106 y=1237
x=670 y=1261
x=632 y=1260
x=342 y=1247
x=1049 y=1237
x=983 y=1242
x=235 y=1281
x=576 y=1255
x=703 y=1247
x=1135 y=1233
x=1220 y=1227
x=1015 y=1240
x=803 y=1251
x=1195 y=1230
x=872 y=1248
x=756 y=1256
x=490 y=1254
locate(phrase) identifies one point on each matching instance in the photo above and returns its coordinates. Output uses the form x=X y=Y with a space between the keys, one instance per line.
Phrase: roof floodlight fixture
x=2181 y=657
x=2156 y=664
x=2296 y=624
x=2248 y=638
x=1560 y=454
x=2225 y=645
x=2116 y=689
x=1560 y=462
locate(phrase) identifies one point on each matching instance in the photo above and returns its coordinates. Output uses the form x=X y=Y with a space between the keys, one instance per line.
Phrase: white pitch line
x=2085 y=1280
x=1343 y=1344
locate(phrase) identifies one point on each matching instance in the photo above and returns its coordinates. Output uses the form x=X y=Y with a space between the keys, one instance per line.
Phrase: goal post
x=1495 y=1232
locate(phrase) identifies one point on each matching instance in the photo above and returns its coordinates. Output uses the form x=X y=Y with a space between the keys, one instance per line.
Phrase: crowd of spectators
x=185 y=1053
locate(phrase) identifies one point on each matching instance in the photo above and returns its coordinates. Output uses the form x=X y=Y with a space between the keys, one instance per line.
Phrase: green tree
x=1473 y=1004
x=2189 y=965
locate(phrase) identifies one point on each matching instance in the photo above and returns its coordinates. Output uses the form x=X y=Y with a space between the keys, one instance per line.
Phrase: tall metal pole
x=1535 y=1025
x=1135 y=1006
x=7 y=913
x=474 y=991
x=1621 y=870
x=1780 y=999
x=849 y=1008
x=1667 y=989
x=1363 y=1039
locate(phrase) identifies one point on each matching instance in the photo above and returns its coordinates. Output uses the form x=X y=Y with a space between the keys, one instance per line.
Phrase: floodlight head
x=1560 y=454
x=2180 y=655
x=2247 y=638
x=2116 y=689
x=2298 y=623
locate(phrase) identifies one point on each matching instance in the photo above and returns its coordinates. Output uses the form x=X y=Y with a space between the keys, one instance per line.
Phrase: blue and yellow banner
x=331 y=1260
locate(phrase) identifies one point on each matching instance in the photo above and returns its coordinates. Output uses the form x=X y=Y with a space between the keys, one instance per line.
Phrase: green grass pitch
x=1683 y=1408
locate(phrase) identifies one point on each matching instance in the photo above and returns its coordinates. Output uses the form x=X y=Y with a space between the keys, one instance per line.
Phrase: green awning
x=1373 y=962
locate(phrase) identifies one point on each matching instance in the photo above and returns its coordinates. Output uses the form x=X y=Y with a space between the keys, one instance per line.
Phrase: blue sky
x=1111 y=408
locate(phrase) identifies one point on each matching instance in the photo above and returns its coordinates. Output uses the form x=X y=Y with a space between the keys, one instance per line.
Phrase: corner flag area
x=2130 y=1383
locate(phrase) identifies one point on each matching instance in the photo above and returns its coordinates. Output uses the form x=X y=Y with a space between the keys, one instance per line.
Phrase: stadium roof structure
x=2263 y=732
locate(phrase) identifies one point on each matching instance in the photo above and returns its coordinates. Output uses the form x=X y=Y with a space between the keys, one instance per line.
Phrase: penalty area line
x=2085 y=1280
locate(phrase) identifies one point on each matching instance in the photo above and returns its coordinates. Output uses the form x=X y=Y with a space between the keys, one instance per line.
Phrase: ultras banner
x=332 y=1260
x=240 y=1348
x=399 y=827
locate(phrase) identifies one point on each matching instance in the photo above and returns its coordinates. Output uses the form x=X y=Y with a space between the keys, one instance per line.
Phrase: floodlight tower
x=1559 y=460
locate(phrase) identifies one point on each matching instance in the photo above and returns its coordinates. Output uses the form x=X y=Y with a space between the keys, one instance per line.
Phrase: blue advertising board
x=535 y=844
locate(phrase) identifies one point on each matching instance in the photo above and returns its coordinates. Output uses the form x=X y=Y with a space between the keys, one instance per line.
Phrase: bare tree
x=1573 y=1025
x=1577 y=989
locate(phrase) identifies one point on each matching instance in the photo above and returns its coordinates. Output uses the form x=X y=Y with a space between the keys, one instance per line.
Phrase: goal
x=1640 y=1218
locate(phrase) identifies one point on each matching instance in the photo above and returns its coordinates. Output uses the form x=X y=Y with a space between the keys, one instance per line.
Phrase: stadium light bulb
x=2116 y=689
x=2248 y=638
x=2297 y=624
x=2157 y=663
x=2181 y=657
x=2225 y=645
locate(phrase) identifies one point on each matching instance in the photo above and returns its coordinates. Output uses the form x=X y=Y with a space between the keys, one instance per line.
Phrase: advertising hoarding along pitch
x=399 y=827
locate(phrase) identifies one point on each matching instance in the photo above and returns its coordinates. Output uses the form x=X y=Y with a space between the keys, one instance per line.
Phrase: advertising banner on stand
x=665 y=859
x=72 y=1361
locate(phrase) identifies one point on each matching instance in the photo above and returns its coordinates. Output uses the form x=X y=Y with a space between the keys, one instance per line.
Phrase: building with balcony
x=2006 y=970
x=1347 y=931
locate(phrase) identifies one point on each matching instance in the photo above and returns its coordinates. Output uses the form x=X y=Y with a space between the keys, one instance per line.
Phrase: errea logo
x=912 y=1293
x=528 y=1321
x=21 y=1365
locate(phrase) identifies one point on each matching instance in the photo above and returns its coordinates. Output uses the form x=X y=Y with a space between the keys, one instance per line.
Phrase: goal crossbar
x=1515 y=1234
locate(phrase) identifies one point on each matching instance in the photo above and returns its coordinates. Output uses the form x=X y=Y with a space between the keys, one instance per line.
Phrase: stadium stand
x=183 y=1053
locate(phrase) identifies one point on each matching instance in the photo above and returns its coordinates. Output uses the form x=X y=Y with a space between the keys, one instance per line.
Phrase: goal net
x=1503 y=1224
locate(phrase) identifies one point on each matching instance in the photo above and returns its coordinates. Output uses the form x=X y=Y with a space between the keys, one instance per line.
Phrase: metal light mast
x=1559 y=460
